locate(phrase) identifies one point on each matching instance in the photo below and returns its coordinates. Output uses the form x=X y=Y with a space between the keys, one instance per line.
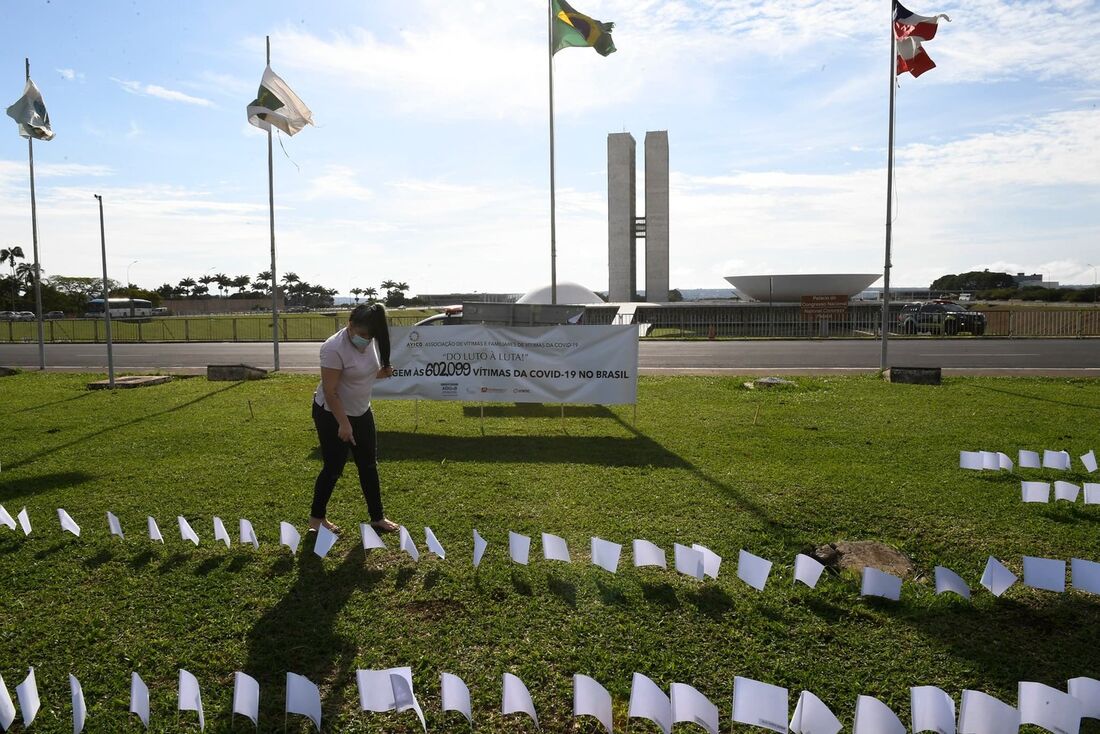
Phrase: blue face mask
x=360 y=342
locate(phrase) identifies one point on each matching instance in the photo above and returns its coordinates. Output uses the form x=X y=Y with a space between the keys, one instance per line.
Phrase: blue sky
x=428 y=162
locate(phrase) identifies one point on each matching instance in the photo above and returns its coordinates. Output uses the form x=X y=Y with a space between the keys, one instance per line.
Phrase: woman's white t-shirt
x=358 y=369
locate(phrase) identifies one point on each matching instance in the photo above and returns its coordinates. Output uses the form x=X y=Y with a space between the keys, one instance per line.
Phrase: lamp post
x=106 y=297
x=130 y=288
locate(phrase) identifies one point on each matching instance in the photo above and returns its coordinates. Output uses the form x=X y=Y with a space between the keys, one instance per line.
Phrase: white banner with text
x=522 y=364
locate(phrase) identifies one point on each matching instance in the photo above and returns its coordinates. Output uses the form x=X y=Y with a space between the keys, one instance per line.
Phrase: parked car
x=7 y=315
x=940 y=317
x=452 y=315
x=24 y=316
x=55 y=314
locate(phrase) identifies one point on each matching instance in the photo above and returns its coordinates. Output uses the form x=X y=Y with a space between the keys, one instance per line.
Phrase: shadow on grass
x=106 y=430
x=1013 y=393
x=298 y=634
x=29 y=408
x=536 y=410
x=27 y=486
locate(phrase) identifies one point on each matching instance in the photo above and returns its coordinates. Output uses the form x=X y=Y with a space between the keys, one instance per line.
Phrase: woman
x=351 y=360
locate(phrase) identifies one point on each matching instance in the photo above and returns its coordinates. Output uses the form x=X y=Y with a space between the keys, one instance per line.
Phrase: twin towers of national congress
x=625 y=227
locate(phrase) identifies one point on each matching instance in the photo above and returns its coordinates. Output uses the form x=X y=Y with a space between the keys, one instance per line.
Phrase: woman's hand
x=384 y=373
x=346 y=434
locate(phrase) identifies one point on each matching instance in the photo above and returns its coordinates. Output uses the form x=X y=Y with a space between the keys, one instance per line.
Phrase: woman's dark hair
x=372 y=317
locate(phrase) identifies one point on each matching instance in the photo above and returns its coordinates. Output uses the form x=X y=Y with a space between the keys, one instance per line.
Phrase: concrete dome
x=791 y=288
x=569 y=293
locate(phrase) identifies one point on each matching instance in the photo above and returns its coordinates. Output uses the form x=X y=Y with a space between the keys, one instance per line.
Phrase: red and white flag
x=911 y=30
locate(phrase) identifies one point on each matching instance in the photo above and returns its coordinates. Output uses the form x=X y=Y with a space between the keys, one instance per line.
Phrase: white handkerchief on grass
x=947 y=580
x=325 y=540
x=688 y=561
x=880 y=583
x=648 y=701
x=807 y=570
x=220 y=533
x=760 y=704
x=1035 y=491
x=812 y=716
x=517 y=699
x=289 y=536
x=605 y=554
x=29 y=703
x=24 y=521
x=405 y=543
x=970 y=460
x=980 y=713
x=154 y=530
x=480 y=544
x=1092 y=493
x=7 y=706
x=248 y=533
x=114 y=525
x=932 y=710
x=246 y=696
x=754 y=571
x=403 y=697
x=1087 y=691
x=303 y=698
x=1066 y=491
x=456 y=695
x=1005 y=462
x=1089 y=461
x=592 y=699
x=688 y=705
x=990 y=460
x=711 y=560
x=186 y=531
x=371 y=538
x=555 y=548
x=1055 y=459
x=67 y=522
x=1049 y=708
x=519 y=548
x=1086 y=577
x=996 y=577
x=434 y=546
x=875 y=717
x=1048 y=574
x=1029 y=459
x=190 y=697
x=648 y=554
x=139 y=698
x=6 y=518
x=80 y=710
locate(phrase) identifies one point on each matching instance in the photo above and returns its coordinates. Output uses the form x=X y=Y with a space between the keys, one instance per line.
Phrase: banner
x=497 y=364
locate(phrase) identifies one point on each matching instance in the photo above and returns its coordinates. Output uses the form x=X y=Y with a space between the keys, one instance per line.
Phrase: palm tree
x=10 y=255
x=223 y=282
x=241 y=282
x=389 y=284
x=370 y=293
x=356 y=292
x=290 y=278
x=205 y=280
x=187 y=284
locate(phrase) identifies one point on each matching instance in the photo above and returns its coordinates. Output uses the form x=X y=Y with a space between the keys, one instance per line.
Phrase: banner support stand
x=563 y=418
x=481 y=421
x=416 y=425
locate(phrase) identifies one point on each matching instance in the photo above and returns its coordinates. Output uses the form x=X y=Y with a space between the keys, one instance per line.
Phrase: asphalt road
x=1058 y=357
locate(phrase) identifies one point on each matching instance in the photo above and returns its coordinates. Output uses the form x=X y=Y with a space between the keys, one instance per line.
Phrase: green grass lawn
x=236 y=327
x=773 y=472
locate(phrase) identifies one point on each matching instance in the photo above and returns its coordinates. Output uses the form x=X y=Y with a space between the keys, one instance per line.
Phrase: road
x=1056 y=357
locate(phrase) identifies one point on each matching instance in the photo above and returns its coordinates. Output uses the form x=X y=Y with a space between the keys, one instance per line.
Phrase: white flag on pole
x=67 y=522
x=190 y=697
x=154 y=530
x=139 y=698
x=80 y=711
x=246 y=696
x=29 y=111
x=115 y=525
x=303 y=697
x=276 y=105
x=27 y=693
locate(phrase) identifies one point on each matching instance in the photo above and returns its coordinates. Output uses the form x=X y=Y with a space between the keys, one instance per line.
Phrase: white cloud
x=71 y=75
x=337 y=182
x=154 y=90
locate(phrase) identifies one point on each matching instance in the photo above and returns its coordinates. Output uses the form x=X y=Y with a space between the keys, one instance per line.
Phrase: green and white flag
x=30 y=112
x=276 y=105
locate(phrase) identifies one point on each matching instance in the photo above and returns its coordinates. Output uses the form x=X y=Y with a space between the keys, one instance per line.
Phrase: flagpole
x=553 y=212
x=34 y=240
x=271 y=218
x=883 y=362
x=106 y=296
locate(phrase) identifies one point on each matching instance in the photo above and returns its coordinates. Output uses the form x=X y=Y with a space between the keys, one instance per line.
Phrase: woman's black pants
x=334 y=453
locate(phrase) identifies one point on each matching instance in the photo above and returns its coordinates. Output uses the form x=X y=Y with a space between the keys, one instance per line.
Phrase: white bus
x=120 y=307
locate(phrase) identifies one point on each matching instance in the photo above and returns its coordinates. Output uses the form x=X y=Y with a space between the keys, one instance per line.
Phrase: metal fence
x=745 y=320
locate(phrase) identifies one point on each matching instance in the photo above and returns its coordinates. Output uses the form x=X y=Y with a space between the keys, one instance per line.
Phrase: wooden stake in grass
x=250 y=410
x=756 y=414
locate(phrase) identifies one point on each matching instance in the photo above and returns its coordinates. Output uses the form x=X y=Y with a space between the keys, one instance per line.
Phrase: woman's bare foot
x=385 y=526
x=316 y=522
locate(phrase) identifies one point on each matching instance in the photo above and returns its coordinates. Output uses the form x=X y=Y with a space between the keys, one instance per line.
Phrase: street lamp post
x=130 y=287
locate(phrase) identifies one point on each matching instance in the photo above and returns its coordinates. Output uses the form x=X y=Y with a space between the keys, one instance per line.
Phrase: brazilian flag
x=577 y=29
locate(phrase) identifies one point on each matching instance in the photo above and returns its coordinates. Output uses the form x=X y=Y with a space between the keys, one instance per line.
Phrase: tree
x=240 y=283
x=290 y=278
x=356 y=292
x=395 y=292
x=10 y=255
x=223 y=281
x=370 y=293
x=187 y=286
x=675 y=296
x=205 y=282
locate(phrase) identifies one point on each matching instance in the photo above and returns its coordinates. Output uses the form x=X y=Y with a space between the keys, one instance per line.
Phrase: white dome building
x=569 y=293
